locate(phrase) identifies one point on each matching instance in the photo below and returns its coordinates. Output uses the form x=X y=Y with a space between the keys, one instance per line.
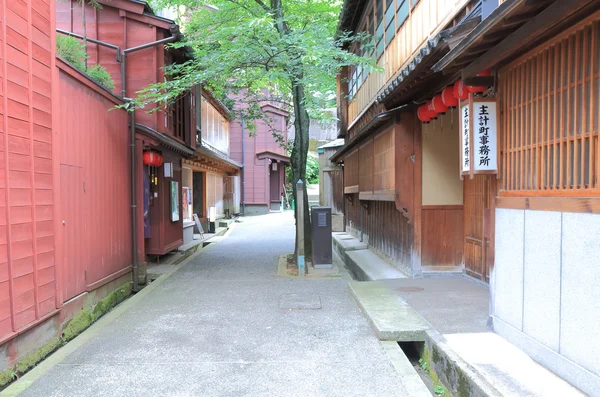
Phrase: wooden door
x=479 y=198
x=274 y=185
x=74 y=229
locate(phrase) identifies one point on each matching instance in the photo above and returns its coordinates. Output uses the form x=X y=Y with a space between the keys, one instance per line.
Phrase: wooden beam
x=532 y=30
x=486 y=81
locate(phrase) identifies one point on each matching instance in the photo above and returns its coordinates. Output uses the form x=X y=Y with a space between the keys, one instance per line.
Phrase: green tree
x=256 y=50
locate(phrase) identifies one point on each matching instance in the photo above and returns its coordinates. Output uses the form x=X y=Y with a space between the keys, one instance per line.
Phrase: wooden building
x=331 y=183
x=519 y=213
x=263 y=159
x=65 y=233
x=211 y=176
x=66 y=230
x=190 y=135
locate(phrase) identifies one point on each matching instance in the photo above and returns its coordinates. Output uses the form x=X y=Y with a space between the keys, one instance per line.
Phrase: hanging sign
x=478 y=136
x=465 y=139
x=485 y=141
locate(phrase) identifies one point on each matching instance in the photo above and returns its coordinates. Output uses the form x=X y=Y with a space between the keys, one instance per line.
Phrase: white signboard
x=485 y=153
x=465 y=139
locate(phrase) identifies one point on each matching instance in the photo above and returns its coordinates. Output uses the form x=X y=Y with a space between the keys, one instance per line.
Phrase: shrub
x=312 y=170
x=101 y=75
x=71 y=50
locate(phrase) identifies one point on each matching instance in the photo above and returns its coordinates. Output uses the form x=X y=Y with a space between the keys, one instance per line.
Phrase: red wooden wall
x=256 y=172
x=122 y=23
x=94 y=183
x=28 y=282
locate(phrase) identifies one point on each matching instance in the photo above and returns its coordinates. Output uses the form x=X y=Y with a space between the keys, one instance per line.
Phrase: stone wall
x=545 y=290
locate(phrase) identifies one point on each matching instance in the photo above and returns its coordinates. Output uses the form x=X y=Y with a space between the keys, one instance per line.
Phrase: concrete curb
x=410 y=378
x=61 y=354
x=455 y=373
x=391 y=318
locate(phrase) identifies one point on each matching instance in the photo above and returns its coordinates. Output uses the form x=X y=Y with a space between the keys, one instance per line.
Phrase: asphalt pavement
x=226 y=324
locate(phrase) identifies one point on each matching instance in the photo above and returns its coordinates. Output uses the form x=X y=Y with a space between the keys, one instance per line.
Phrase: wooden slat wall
x=28 y=283
x=442 y=236
x=550 y=101
x=351 y=169
x=94 y=141
x=383 y=161
x=424 y=20
x=389 y=233
x=365 y=167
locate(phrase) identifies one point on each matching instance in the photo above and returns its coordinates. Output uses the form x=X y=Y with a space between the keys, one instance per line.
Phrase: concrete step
x=390 y=316
x=343 y=242
x=368 y=266
x=225 y=222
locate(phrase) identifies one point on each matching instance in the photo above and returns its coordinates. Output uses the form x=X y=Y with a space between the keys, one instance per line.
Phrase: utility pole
x=300 y=227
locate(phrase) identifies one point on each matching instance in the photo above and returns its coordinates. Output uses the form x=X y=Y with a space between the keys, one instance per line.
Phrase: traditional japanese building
x=476 y=151
x=264 y=159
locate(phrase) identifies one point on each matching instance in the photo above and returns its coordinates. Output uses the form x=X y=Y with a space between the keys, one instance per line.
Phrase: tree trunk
x=299 y=158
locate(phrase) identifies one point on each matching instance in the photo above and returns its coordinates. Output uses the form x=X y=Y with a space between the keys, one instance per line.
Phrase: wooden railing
x=426 y=20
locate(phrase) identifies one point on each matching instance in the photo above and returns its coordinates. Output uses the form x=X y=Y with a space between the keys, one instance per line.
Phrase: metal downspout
x=243 y=173
x=133 y=166
x=174 y=37
x=99 y=42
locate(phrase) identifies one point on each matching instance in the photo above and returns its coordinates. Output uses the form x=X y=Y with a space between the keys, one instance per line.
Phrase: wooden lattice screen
x=550 y=104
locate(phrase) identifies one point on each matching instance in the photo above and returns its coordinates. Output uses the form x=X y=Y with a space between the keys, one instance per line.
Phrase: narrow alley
x=226 y=325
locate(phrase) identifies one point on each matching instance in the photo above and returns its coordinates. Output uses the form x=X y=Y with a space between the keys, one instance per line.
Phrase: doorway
x=198 y=194
x=480 y=193
x=275 y=189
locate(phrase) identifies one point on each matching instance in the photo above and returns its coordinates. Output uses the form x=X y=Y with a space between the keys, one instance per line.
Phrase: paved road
x=222 y=326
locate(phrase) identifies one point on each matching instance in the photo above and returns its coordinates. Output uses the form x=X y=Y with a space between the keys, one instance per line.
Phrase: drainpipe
x=133 y=167
x=99 y=42
x=174 y=37
x=243 y=168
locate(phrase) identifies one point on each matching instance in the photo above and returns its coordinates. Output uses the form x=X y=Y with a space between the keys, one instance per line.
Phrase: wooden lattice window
x=550 y=104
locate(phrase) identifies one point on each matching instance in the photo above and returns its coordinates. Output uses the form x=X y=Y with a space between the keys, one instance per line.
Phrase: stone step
x=390 y=316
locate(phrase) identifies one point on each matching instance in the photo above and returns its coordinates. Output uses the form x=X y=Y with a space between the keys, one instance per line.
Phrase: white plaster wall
x=546 y=289
x=541 y=292
x=580 y=303
x=508 y=267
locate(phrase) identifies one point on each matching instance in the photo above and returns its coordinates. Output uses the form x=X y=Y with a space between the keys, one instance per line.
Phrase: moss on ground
x=35 y=357
x=74 y=327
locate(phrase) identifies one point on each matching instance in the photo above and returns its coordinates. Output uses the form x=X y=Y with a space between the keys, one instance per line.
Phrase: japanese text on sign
x=465 y=149
x=484 y=135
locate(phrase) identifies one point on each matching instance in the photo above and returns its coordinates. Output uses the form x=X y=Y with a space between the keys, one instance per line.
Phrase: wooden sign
x=478 y=136
x=465 y=139
x=199 y=226
x=485 y=136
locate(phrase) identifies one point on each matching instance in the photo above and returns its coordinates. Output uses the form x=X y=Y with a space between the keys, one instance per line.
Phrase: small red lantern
x=431 y=110
x=423 y=114
x=448 y=98
x=460 y=91
x=438 y=104
x=471 y=88
x=158 y=160
x=153 y=158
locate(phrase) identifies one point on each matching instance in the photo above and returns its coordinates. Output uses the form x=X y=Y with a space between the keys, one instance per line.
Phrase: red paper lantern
x=460 y=91
x=448 y=98
x=153 y=158
x=431 y=110
x=438 y=104
x=471 y=88
x=423 y=114
x=158 y=160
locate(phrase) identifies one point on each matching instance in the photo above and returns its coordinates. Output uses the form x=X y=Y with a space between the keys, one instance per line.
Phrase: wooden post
x=300 y=227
